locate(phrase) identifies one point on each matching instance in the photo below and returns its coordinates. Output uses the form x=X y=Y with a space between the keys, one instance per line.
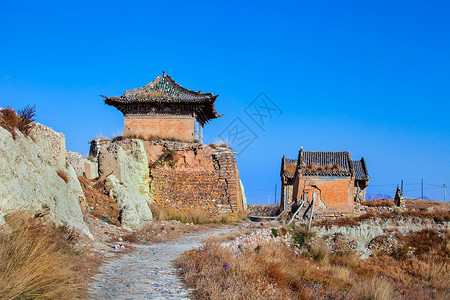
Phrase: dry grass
x=22 y=121
x=437 y=216
x=161 y=231
x=38 y=261
x=195 y=216
x=379 y=203
x=427 y=205
x=226 y=237
x=222 y=144
x=98 y=203
x=290 y=169
x=149 y=138
x=274 y=271
x=316 y=167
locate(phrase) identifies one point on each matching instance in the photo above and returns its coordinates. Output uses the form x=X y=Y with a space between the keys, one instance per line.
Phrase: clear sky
x=370 y=77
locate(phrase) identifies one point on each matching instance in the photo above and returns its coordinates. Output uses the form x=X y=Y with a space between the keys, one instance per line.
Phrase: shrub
x=400 y=253
x=301 y=236
x=23 y=121
x=319 y=251
x=274 y=232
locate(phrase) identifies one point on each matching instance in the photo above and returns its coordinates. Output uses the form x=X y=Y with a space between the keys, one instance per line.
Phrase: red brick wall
x=336 y=192
x=179 y=127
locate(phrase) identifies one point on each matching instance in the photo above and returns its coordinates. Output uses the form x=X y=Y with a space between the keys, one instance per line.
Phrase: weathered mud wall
x=195 y=176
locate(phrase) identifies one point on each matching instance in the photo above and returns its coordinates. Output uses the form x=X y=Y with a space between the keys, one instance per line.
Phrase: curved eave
x=325 y=173
x=123 y=100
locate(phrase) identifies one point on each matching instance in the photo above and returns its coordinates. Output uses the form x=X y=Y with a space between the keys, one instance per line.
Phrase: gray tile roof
x=360 y=168
x=325 y=163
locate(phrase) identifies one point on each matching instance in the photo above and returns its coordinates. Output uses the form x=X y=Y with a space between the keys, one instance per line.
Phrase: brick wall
x=336 y=193
x=217 y=192
x=179 y=127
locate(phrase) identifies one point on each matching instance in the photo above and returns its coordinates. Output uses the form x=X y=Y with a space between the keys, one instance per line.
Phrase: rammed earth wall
x=217 y=192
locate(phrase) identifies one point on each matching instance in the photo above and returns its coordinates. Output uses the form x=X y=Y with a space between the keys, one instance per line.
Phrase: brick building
x=361 y=179
x=332 y=179
x=165 y=109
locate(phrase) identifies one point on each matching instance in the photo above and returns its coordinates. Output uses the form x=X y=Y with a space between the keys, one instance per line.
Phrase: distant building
x=361 y=179
x=332 y=179
x=165 y=109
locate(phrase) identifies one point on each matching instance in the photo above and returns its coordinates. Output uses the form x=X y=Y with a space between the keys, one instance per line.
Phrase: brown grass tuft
x=38 y=261
x=290 y=169
x=317 y=167
x=195 y=216
x=379 y=203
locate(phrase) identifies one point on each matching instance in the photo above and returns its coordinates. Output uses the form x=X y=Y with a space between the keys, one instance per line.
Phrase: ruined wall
x=178 y=127
x=337 y=193
x=287 y=191
x=190 y=190
x=196 y=178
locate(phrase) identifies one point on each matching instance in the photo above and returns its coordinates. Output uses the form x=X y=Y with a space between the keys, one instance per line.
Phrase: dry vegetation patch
x=22 y=121
x=379 y=203
x=98 y=203
x=194 y=216
x=273 y=271
x=290 y=168
x=437 y=216
x=39 y=261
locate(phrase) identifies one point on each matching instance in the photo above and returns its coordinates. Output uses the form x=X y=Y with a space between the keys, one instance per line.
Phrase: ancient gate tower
x=165 y=109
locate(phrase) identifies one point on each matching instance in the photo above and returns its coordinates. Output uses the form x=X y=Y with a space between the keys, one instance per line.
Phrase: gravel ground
x=147 y=272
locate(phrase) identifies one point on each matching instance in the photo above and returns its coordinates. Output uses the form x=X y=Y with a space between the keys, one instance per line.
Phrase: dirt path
x=147 y=272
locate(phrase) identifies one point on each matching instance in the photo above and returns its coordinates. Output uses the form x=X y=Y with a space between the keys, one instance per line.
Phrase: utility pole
x=422 y=190
x=402 y=186
x=275 y=194
x=444 y=186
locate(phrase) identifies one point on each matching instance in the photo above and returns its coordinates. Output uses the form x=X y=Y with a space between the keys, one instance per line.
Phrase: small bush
x=400 y=253
x=23 y=121
x=319 y=251
x=274 y=232
x=301 y=236
x=131 y=238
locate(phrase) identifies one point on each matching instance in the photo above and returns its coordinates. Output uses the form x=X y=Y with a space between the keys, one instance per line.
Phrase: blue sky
x=370 y=77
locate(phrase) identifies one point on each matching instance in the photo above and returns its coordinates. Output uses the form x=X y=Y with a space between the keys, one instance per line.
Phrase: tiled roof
x=165 y=90
x=360 y=168
x=318 y=163
x=325 y=163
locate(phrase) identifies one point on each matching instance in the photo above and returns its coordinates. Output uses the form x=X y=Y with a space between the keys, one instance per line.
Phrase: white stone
x=29 y=179
x=134 y=210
